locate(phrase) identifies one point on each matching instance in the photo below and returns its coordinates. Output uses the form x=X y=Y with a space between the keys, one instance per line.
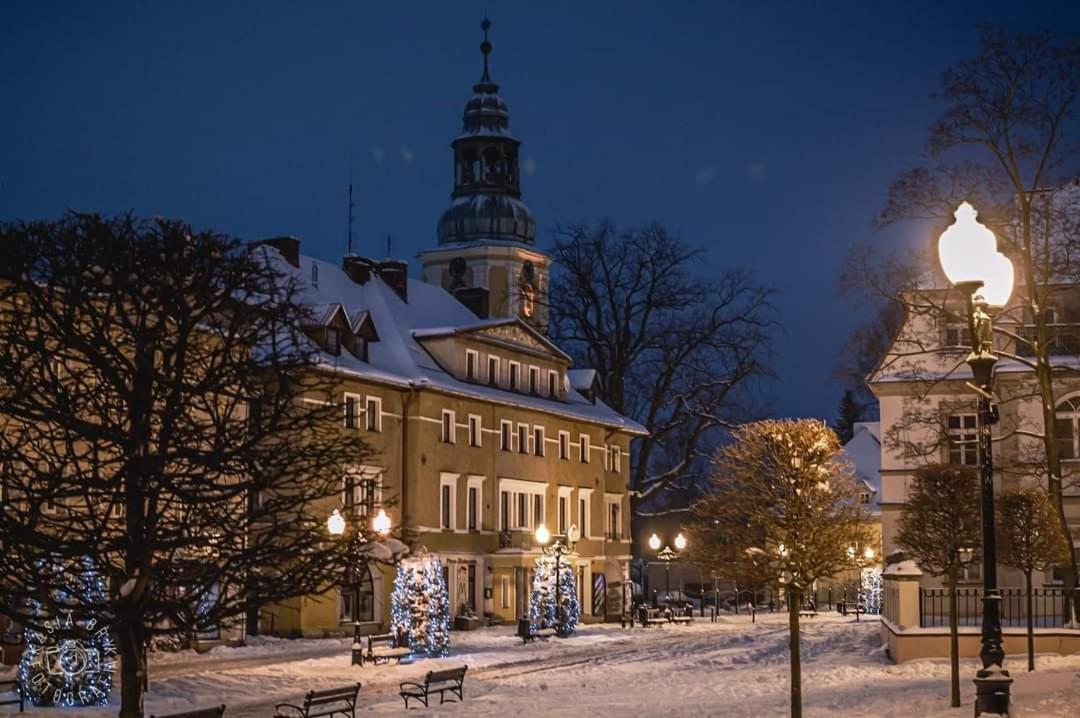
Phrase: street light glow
x=968 y=253
x=654 y=542
x=680 y=542
x=336 y=523
x=381 y=523
x=542 y=534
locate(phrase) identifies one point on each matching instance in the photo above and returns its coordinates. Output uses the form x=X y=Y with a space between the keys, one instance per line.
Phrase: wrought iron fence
x=1047 y=607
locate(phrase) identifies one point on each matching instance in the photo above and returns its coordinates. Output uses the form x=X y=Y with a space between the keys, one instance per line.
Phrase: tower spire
x=485 y=48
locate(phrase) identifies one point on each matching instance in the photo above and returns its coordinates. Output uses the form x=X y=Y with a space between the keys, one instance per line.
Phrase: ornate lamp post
x=557 y=549
x=970 y=259
x=667 y=556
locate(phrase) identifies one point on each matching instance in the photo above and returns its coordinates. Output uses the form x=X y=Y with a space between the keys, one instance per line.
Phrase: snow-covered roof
x=581 y=379
x=398 y=359
x=863 y=450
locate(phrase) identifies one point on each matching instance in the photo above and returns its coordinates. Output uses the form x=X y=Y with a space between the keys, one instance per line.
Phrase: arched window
x=357 y=596
x=1067 y=429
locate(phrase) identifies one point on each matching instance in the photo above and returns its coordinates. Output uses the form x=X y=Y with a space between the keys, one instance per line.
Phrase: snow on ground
x=730 y=668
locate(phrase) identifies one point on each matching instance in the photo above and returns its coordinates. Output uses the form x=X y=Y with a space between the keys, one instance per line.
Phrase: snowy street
x=731 y=668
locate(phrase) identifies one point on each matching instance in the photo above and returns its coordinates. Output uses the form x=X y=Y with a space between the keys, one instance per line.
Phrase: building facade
x=481 y=430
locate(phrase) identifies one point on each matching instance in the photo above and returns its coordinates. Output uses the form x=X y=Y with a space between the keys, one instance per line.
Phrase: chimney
x=358 y=269
x=396 y=274
x=289 y=247
x=476 y=299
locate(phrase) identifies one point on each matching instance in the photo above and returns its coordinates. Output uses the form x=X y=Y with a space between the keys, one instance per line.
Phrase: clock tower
x=486 y=254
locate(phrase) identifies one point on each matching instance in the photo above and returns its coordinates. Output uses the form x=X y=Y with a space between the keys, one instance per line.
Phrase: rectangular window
x=564 y=445
x=504 y=510
x=963 y=436
x=553 y=384
x=617 y=452
x=333 y=341
x=564 y=513
x=957 y=335
x=1065 y=433
x=506 y=592
x=522 y=518
x=448 y=426
x=493 y=370
x=613 y=521
x=586 y=448
x=538 y=440
x=583 y=516
x=523 y=438
x=474 y=430
x=472 y=363
x=352 y=411
x=446 y=508
x=506 y=435
x=607 y=457
x=538 y=510
x=534 y=380
x=373 y=413
x=358 y=493
x=474 y=508
x=515 y=369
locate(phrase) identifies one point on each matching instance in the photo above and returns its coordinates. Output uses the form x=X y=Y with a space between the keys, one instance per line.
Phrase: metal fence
x=1048 y=607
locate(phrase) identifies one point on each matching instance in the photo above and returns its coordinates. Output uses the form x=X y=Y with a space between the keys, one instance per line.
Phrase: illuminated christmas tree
x=551 y=607
x=420 y=607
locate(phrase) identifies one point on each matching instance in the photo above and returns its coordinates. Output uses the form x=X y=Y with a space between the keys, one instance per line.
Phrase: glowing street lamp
x=381 y=523
x=558 y=550
x=654 y=542
x=667 y=555
x=680 y=542
x=970 y=259
x=542 y=535
x=336 y=523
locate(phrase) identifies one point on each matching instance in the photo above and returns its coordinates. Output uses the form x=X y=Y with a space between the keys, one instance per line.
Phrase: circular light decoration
x=68 y=663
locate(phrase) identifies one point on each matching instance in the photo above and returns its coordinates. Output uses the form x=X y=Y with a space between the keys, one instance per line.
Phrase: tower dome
x=486 y=201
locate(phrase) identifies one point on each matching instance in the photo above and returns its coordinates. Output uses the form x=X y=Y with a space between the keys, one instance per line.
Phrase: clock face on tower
x=457 y=267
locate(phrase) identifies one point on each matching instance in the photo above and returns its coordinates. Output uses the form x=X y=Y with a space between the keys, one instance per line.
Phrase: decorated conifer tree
x=438 y=609
x=401 y=608
x=550 y=607
x=420 y=610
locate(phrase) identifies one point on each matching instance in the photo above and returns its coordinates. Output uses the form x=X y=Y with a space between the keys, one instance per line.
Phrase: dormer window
x=534 y=380
x=333 y=341
x=515 y=369
x=493 y=370
x=472 y=360
x=553 y=380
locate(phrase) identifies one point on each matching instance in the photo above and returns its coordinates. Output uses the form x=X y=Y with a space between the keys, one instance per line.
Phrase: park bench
x=677 y=619
x=330 y=702
x=12 y=686
x=650 y=616
x=384 y=647
x=215 y=712
x=528 y=634
x=449 y=680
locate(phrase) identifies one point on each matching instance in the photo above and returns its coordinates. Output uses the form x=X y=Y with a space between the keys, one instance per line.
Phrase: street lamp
x=970 y=259
x=667 y=555
x=381 y=523
x=558 y=550
x=336 y=523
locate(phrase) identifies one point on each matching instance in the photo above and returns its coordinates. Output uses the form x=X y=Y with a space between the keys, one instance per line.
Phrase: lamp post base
x=992 y=691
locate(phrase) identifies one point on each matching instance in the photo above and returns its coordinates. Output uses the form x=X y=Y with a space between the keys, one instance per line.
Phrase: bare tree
x=1003 y=143
x=941 y=530
x=676 y=349
x=785 y=502
x=1028 y=539
x=165 y=421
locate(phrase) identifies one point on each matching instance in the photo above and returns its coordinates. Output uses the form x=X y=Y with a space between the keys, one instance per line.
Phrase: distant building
x=481 y=428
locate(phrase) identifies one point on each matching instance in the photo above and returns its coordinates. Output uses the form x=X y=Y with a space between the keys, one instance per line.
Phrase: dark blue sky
x=766 y=133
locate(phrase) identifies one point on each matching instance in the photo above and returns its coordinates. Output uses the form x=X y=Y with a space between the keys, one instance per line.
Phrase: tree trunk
x=954 y=642
x=794 y=604
x=132 y=667
x=1030 y=622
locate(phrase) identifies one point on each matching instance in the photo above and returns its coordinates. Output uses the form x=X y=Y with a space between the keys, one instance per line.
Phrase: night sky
x=766 y=134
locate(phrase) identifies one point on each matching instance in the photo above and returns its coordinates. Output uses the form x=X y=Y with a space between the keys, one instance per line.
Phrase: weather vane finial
x=485 y=46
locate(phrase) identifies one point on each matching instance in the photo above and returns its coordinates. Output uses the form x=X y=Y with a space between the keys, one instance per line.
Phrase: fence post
x=902 y=591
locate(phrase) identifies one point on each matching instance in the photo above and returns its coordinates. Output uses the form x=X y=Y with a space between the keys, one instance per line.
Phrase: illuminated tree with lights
x=420 y=607
x=551 y=608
